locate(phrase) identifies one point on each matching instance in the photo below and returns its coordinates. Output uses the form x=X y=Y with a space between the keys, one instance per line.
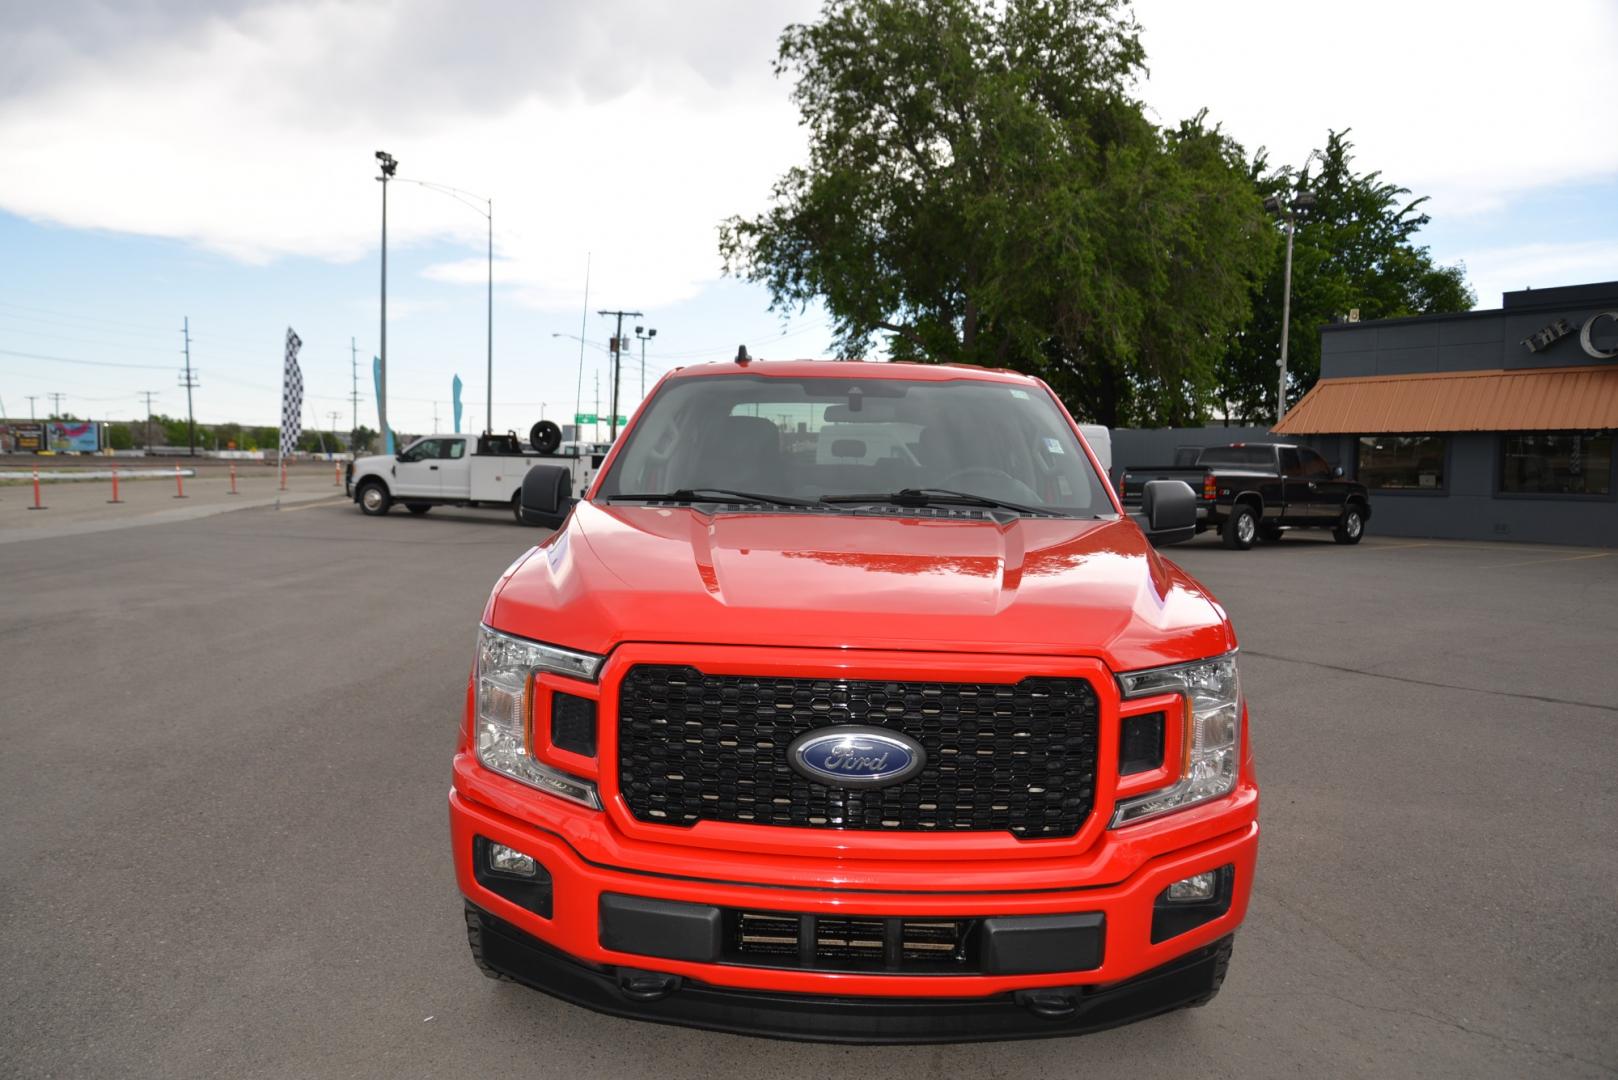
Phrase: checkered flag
x=291 y=396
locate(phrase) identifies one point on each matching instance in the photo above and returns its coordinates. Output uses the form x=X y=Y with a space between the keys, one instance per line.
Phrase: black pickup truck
x=1251 y=491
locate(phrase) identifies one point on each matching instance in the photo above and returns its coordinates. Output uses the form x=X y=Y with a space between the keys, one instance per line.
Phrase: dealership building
x=1481 y=425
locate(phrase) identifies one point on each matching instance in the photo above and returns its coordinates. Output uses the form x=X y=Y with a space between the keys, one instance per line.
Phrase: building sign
x=1561 y=328
x=73 y=436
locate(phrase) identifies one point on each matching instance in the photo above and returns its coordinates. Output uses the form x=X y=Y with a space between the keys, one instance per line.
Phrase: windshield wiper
x=688 y=495
x=937 y=496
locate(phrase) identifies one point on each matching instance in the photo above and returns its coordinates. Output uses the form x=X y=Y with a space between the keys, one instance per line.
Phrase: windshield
x=822 y=436
x=1256 y=456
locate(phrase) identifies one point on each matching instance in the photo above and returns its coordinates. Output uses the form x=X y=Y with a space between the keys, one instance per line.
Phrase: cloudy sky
x=164 y=159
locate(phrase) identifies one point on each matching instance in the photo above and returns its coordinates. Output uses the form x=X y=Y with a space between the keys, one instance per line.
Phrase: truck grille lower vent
x=1017 y=758
x=774 y=939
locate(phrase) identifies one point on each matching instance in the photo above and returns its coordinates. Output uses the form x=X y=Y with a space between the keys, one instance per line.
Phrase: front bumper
x=820 y=1017
x=574 y=930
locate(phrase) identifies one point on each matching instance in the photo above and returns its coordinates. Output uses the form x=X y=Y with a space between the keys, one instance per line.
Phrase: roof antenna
x=741 y=355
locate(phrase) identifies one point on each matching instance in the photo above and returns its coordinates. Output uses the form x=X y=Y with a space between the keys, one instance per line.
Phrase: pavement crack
x=1544 y=698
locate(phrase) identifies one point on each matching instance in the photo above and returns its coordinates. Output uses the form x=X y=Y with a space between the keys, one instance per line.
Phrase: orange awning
x=1533 y=399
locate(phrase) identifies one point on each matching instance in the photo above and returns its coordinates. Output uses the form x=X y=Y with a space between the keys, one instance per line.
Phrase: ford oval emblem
x=856 y=757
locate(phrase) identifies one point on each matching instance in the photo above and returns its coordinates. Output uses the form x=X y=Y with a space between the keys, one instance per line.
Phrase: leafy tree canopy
x=982 y=188
x=1355 y=248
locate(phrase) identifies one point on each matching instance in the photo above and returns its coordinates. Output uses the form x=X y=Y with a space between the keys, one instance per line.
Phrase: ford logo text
x=856 y=757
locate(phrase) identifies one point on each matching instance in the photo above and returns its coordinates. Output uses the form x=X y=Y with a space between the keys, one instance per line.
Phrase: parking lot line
x=1536 y=562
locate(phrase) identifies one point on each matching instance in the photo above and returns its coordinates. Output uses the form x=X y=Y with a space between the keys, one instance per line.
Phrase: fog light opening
x=1196 y=889
x=511 y=862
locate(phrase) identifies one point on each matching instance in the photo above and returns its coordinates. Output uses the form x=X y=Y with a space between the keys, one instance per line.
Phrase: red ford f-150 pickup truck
x=848 y=704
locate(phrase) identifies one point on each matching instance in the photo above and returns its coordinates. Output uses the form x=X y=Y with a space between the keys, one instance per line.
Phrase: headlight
x=505 y=707
x=1213 y=734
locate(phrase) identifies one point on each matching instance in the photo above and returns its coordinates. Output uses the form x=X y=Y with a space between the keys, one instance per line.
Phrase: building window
x=1402 y=462
x=1560 y=463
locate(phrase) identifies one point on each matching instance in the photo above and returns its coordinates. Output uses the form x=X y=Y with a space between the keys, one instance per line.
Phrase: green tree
x=982 y=188
x=360 y=440
x=119 y=438
x=1355 y=248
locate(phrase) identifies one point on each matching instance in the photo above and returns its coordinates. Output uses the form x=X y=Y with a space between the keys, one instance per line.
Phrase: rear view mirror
x=547 y=496
x=1168 y=512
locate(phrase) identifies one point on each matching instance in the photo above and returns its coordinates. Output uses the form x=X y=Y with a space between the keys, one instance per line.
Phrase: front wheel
x=374 y=498
x=1351 y=527
x=516 y=508
x=1241 y=527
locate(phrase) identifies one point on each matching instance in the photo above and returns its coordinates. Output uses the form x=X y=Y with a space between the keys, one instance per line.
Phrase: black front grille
x=851 y=943
x=1001 y=757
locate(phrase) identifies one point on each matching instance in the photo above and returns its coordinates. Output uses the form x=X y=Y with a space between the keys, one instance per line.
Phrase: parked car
x=1257 y=491
x=460 y=470
x=920 y=746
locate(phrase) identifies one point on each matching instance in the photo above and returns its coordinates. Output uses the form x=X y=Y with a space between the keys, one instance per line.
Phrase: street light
x=1287 y=210
x=389 y=166
x=487 y=210
x=643 y=339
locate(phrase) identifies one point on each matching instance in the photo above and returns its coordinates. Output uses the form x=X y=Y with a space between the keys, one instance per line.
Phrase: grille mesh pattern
x=1017 y=758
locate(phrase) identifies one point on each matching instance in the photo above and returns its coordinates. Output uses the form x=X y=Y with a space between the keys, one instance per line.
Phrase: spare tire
x=546 y=437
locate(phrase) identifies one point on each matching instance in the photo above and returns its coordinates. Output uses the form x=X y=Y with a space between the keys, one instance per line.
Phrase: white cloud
x=626 y=129
x=1470 y=103
x=1493 y=271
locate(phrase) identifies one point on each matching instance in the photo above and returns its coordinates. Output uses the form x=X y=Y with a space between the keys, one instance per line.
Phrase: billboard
x=27 y=436
x=73 y=436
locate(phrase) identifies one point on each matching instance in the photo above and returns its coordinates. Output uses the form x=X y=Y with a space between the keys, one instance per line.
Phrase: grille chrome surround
x=1016 y=757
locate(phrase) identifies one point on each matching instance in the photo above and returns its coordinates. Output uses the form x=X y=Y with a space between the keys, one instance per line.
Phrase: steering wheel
x=991 y=481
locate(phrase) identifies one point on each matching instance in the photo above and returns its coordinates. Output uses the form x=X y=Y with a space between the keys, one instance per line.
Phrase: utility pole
x=56 y=397
x=189 y=381
x=334 y=414
x=150 y=394
x=597 y=432
x=617 y=356
x=31 y=399
x=389 y=166
x=435 y=417
x=1287 y=208
x=354 y=394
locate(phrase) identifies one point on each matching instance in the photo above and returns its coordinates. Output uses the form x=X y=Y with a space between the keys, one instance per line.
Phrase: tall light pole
x=1287 y=209
x=466 y=198
x=389 y=166
x=643 y=338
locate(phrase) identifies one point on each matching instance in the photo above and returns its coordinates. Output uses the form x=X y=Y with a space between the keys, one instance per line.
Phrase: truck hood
x=1033 y=585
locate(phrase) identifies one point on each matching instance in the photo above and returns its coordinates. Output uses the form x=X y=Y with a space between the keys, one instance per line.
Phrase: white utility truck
x=465 y=470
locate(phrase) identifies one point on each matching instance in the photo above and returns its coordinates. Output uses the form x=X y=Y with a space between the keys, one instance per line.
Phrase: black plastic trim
x=532 y=894
x=1045 y=1013
x=1173 y=919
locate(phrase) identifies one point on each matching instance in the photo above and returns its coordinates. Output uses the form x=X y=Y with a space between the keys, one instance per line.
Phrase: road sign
x=622 y=420
x=584 y=418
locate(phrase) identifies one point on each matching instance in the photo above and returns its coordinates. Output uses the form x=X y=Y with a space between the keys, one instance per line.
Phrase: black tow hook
x=1052 y=1004
x=637 y=985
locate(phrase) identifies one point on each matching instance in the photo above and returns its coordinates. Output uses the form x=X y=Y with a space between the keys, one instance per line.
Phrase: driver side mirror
x=1337 y=472
x=1169 y=510
x=547 y=496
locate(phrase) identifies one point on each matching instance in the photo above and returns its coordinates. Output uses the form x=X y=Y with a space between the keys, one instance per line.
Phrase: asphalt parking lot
x=227 y=747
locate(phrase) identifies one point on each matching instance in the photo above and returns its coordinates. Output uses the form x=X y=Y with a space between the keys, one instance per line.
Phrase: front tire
x=1351 y=527
x=1221 y=968
x=1241 y=527
x=474 y=938
x=374 y=498
x=516 y=508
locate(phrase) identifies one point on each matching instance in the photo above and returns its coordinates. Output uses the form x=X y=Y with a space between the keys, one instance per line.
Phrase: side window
x=1314 y=466
x=425 y=450
x=452 y=448
x=1290 y=464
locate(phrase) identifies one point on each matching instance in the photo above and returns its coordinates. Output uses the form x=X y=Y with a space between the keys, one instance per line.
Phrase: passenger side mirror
x=1337 y=472
x=547 y=496
x=1169 y=512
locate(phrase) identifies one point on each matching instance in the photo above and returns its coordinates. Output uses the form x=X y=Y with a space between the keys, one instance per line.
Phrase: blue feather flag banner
x=455 y=396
